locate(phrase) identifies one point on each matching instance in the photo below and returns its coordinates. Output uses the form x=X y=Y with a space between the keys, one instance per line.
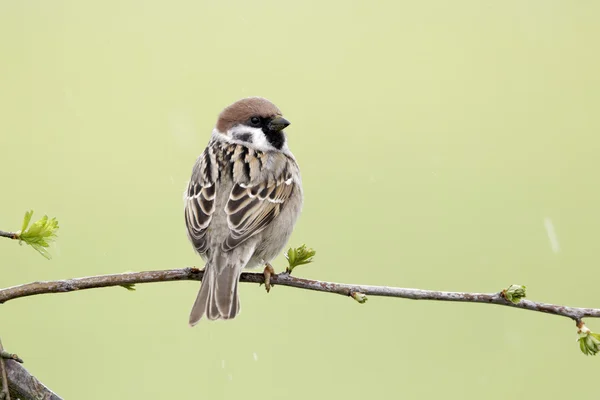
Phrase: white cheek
x=259 y=141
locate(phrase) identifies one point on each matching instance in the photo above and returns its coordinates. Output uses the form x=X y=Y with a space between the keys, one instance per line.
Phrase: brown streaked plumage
x=242 y=201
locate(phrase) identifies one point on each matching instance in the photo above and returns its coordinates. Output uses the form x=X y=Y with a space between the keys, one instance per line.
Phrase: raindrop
x=551 y=235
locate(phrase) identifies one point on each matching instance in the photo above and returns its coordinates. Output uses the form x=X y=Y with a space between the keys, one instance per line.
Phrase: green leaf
x=299 y=256
x=582 y=346
x=589 y=345
x=40 y=234
x=589 y=342
x=514 y=293
x=28 y=215
x=129 y=286
x=291 y=256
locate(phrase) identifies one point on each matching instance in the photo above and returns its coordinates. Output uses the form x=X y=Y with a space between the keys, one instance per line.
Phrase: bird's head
x=254 y=122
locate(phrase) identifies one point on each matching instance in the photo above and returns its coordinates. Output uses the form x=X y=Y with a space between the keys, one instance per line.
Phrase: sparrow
x=242 y=201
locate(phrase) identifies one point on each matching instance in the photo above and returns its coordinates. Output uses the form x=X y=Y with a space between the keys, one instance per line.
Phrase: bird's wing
x=200 y=201
x=253 y=206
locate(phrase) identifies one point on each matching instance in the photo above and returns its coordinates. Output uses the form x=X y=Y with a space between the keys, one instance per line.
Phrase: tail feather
x=235 y=301
x=218 y=296
x=211 y=308
x=202 y=304
x=226 y=291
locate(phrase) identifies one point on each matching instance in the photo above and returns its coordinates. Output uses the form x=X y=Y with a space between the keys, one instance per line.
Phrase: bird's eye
x=255 y=121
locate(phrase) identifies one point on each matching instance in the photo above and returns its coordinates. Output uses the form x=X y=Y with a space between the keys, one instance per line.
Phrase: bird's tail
x=218 y=295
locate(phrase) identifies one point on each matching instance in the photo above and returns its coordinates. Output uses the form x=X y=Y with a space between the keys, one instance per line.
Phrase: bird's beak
x=278 y=124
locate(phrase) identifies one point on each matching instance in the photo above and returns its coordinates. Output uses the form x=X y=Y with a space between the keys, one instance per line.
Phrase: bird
x=241 y=203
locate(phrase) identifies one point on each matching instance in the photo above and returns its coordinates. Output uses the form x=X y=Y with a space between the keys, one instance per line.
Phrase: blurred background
x=443 y=145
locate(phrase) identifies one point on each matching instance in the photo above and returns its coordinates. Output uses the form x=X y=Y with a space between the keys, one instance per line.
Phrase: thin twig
x=10 y=235
x=4 y=391
x=283 y=279
x=10 y=356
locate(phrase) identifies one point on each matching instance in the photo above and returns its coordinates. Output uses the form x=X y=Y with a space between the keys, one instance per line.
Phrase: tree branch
x=284 y=279
x=17 y=383
x=25 y=386
x=10 y=235
x=4 y=392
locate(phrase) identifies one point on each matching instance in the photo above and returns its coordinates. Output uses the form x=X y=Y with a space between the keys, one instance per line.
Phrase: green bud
x=129 y=286
x=360 y=297
x=40 y=234
x=299 y=256
x=589 y=342
x=514 y=293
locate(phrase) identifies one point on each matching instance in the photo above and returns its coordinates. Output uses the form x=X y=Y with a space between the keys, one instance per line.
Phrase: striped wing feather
x=199 y=208
x=250 y=209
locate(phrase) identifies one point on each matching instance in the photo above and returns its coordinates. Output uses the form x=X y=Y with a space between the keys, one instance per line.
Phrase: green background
x=434 y=138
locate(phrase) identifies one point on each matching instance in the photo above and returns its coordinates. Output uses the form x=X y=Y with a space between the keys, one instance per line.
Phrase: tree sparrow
x=242 y=201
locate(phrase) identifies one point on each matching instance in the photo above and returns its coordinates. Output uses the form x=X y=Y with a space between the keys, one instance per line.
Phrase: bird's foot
x=268 y=272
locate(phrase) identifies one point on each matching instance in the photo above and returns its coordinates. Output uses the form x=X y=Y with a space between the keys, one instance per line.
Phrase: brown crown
x=243 y=109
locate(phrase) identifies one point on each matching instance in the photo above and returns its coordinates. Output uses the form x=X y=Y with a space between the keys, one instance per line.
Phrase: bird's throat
x=275 y=138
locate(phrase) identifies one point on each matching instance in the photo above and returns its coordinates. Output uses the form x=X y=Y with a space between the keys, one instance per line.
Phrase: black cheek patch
x=244 y=137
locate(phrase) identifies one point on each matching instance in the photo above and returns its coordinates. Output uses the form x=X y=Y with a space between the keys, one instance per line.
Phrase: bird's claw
x=268 y=272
